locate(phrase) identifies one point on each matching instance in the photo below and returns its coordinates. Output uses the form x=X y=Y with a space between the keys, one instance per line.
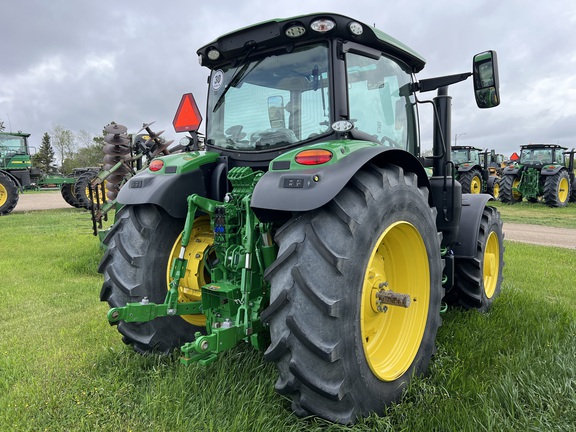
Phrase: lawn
x=538 y=214
x=62 y=367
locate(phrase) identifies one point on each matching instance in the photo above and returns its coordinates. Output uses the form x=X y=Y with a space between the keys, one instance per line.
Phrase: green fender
x=468 y=167
x=182 y=174
x=291 y=187
x=512 y=169
x=550 y=169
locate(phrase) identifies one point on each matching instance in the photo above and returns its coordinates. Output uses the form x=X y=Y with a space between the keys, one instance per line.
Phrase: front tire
x=340 y=353
x=8 y=194
x=135 y=265
x=478 y=280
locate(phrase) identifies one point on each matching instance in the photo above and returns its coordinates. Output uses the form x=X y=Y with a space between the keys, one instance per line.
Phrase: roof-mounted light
x=342 y=126
x=355 y=28
x=322 y=25
x=213 y=54
x=295 y=30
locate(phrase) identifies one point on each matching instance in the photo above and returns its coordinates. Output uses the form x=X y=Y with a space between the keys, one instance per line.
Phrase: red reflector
x=313 y=157
x=188 y=117
x=156 y=165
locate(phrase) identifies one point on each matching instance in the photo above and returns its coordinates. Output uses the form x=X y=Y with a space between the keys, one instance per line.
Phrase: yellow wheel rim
x=496 y=190
x=491 y=264
x=515 y=194
x=476 y=185
x=391 y=335
x=563 y=190
x=3 y=195
x=196 y=275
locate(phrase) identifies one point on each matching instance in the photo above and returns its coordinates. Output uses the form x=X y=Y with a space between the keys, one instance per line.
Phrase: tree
x=44 y=159
x=64 y=142
x=1 y=126
x=79 y=150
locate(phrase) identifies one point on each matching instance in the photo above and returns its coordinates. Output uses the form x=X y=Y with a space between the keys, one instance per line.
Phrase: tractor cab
x=300 y=82
x=466 y=155
x=541 y=154
x=14 y=153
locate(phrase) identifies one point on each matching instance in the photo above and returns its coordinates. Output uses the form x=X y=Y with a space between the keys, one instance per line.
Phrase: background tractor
x=494 y=163
x=17 y=174
x=308 y=226
x=476 y=170
x=541 y=171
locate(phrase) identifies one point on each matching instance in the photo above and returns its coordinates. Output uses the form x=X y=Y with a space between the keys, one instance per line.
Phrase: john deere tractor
x=308 y=227
x=540 y=172
x=17 y=174
x=475 y=170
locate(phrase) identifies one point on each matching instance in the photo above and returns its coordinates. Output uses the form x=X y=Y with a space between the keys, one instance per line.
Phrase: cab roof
x=20 y=134
x=272 y=33
x=533 y=146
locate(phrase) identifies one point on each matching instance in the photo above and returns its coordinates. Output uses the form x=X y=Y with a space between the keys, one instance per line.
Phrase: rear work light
x=313 y=157
x=322 y=25
x=156 y=165
x=295 y=30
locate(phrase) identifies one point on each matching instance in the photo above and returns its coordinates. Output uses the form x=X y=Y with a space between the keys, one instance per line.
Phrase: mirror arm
x=430 y=84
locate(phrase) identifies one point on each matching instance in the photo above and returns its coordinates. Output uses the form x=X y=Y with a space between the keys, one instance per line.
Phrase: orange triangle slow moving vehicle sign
x=188 y=117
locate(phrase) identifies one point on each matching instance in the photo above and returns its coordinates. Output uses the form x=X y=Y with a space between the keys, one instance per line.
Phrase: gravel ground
x=40 y=201
x=535 y=234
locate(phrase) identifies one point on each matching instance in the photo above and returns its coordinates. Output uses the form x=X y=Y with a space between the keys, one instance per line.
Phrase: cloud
x=83 y=64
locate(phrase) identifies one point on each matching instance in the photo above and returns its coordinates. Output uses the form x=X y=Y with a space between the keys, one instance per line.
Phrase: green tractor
x=475 y=170
x=307 y=226
x=17 y=174
x=540 y=172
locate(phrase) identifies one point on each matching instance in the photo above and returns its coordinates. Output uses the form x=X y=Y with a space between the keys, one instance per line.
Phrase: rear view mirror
x=486 y=83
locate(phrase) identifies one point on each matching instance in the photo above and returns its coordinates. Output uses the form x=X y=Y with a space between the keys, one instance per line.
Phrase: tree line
x=62 y=150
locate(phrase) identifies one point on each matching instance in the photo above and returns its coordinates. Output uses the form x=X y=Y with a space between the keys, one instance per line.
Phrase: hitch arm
x=146 y=311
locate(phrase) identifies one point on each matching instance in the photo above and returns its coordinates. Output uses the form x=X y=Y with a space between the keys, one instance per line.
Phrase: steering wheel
x=391 y=143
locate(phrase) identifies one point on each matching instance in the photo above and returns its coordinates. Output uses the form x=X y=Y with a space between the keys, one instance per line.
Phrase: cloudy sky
x=82 y=64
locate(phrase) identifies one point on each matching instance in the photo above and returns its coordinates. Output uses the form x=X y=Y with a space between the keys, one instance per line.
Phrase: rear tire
x=8 y=194
x=507 y=194
x=557 y=189
x=338 y=357
x=478 y=280
x=135 y=266
x=471 y=181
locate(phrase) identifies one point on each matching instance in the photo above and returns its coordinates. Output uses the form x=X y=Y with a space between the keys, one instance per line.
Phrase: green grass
x=62 y=367
x=538 y=214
